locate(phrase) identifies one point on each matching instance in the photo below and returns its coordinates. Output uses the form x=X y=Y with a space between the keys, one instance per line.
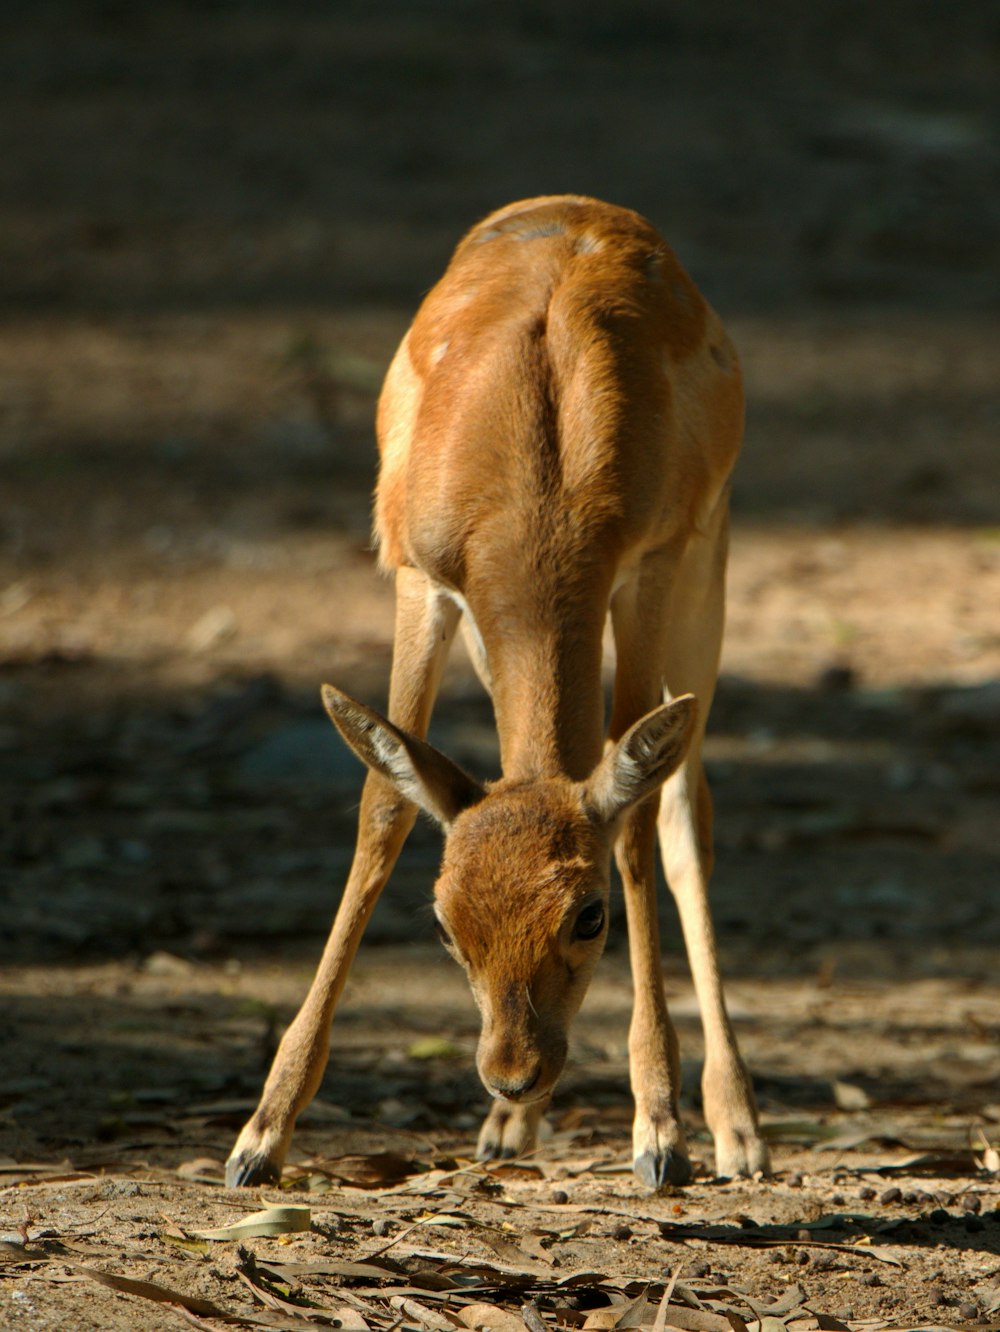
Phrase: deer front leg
x=685 y=829
x=384 y=822
x=659 y=1150
x=425 y=627
x=727 y=1092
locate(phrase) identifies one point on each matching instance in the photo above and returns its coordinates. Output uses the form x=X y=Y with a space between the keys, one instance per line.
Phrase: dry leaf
x=203 y=1170
x=531 y=1316
x=489 y=1315
x=338 y=1267
x=434 y=1047
x=272 y=1221
x=150 y=1290
x=603 y=1320
x=792 y=1298
x=703 y=1320
x=515 y=1170
x=375 y=1170
x=513 y=1253
x=431 y=1318
x=990 y=1159
x=349 y=1319
x=849 y=1096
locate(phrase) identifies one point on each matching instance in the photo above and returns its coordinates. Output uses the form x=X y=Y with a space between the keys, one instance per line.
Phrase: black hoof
x=658 y=1169
x=492 y=1151
x=244 y=1171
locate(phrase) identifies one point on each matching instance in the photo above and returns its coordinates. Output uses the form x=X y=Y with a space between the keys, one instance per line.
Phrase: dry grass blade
x=660 y=1321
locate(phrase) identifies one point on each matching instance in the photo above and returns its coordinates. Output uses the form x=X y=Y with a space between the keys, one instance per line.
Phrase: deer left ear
x=418 y=771
x=642 y=760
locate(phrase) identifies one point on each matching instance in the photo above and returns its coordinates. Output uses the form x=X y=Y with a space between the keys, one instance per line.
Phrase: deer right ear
x=416 y=769
x=642 y=760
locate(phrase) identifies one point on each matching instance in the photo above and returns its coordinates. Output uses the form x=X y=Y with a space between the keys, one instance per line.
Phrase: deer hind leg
x=659 y=1150
x=425 y=627
x=685 y=826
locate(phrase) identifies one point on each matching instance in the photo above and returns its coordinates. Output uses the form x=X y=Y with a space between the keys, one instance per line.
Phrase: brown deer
x=557 y=432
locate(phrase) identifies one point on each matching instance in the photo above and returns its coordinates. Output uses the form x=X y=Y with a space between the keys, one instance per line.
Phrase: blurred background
x=216 y=220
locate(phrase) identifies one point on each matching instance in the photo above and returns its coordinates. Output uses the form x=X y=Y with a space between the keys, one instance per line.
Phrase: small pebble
x=802 y=1257
x=968 y=1310
x=622 y=1232
x=559 y=1197
x=700 y=1268
x=795 y=1181
x=911 y=1197
x=838 y=1199
x=836 y=679
x=382 y=1227
x=938 y=1217
x=870 y=1279
x=936 y=1296
x=973 y=1203
x=120 y=1188
x=803 y=1234
x=867 y=1193
x=893 y=1195
x=747 y=1222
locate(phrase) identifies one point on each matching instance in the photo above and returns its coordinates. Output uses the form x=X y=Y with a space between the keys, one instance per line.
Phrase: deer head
x=522 y=896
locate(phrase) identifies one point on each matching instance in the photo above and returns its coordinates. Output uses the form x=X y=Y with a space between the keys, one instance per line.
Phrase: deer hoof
x=659 y=1169
x=509 y=1130
x=494 y=1151
x=244 y=1169
x=741 y=1154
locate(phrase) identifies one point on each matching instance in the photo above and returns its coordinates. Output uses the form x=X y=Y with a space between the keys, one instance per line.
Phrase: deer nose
x=515 y=1089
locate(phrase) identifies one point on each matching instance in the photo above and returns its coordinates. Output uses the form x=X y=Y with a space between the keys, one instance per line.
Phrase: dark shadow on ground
x=852 y=827
x=178 y=157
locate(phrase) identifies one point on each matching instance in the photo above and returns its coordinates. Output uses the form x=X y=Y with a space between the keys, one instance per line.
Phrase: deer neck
x=547 y=695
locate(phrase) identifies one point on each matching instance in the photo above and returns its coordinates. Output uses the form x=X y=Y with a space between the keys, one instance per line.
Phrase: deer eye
x=443 y=935
x=590 y=921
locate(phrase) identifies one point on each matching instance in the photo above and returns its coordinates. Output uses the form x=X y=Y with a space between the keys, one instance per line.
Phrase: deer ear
x=416 y=769
x=642 y=759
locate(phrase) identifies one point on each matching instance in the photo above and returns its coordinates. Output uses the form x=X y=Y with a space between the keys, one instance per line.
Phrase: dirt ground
x=217 y=221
